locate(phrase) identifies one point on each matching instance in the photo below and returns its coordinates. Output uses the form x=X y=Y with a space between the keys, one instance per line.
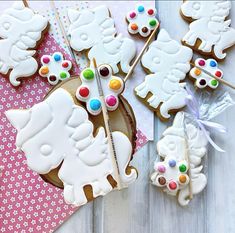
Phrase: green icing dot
x=182 y=168
x=88 y=74
x=214 y=82
x=152 y=22
x=63 y=75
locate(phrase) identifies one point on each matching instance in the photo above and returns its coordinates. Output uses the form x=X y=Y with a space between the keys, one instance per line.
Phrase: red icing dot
x=84 y=92
x=65 y=64
x=218 y=73
x=172 y=185
x=46 y=60
x=132 y=15
x=201 y=63
x=150 y=11
x=111 y=100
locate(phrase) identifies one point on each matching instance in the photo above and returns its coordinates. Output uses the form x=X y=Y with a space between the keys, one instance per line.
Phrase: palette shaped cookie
x=93 y=30
x=170 y=174
x=20 y=29
x=209 y=30
x=68 y=149
x=168 y=62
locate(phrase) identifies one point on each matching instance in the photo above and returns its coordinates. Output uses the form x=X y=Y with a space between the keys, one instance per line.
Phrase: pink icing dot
x=111 y=100
x=201 y=63
x=161 y=168
x=46 y=60
x=132 y=15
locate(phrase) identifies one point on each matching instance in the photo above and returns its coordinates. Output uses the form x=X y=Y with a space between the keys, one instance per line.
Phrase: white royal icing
x=112 y=86
x=202 y=79
x=94 y=29
x=173 y=146
x=142 y=20
x=169 y=61
x=210 y=26
x=20 y=29
x=55 y=131
x=55 y=68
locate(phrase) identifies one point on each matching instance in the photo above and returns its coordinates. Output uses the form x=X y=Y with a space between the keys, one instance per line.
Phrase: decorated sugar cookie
x=58 y=132
x=94 y=30
x=168 y=61
x=20 y=30
x=142 y=20
x=171 y=173
x=209 y=30
x=55 y=68
x=202 y=79
x=88 y=91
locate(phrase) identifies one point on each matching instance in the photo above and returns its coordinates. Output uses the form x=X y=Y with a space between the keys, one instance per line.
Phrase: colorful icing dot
x=57 y=57
x=115 y=84
x=95 y=104
x=213 y=63
x=182 y=179
x=88 y=74
x=63 y=75
x=52 y=78
x=201 y=63
x=44 y=70
x=134 y=27
x=172 y=163
x=152 y=22
x=214 y=82
x=150 y=11
x=161 y=168
x=140 y=8
x=182 y=168
x=202 y=82
x=161 y=180
x=132 y=15
x=46 y=60
x=144 y=29
x=172 y=185
x=197 y=72
x=104 y=71
x=111 y=100
x=65 y=64
x=218 y=73
x=84 y=92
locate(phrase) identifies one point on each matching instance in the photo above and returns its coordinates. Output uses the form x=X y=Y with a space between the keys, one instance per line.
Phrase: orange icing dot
x=134 y=26
x=197 y=72
x=44 y=70
x=182 y=179
x=115 y=84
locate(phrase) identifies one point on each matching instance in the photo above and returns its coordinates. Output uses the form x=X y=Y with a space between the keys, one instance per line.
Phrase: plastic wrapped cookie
x=55 y=68
x=142 y=20
x=88 y=91
x=202 y=79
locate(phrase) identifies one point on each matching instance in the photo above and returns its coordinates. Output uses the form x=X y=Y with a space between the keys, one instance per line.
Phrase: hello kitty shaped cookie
x=88 y=91
x=20 y=30
x=142 y=20
x=171 y=173
x=57 y=132
x=202 y=79
x=209 y=30
x=93 y=30
x=55 y=68
x=169 y=62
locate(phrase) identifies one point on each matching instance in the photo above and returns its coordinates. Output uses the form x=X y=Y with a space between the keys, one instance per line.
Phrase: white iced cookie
x=55 y=131
x=94 y=30
x=55 y=68
x=88 y=92
x=142 y=20
x=20 y=29
x=169 y=62
x=171 y=173
x=209 y=24
x=202 y=79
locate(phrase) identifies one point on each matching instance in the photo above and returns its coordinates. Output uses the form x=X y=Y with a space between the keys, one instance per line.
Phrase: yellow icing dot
x=44 y=70
x=115 y=84
x=182 y=179
x=197 y=72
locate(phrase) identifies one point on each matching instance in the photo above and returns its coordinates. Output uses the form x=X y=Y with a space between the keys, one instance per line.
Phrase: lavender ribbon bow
x=194 y=111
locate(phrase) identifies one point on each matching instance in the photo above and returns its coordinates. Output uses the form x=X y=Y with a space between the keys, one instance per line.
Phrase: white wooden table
x=143 y=208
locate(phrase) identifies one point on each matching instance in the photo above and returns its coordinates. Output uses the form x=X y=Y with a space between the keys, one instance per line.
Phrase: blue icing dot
x=172 y=163
x=57 y=57
x=140 y=8
x=213 y=63
x=95 y=104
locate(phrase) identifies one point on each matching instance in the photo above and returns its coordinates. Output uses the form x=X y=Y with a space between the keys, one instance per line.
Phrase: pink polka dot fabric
x=27 y=203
